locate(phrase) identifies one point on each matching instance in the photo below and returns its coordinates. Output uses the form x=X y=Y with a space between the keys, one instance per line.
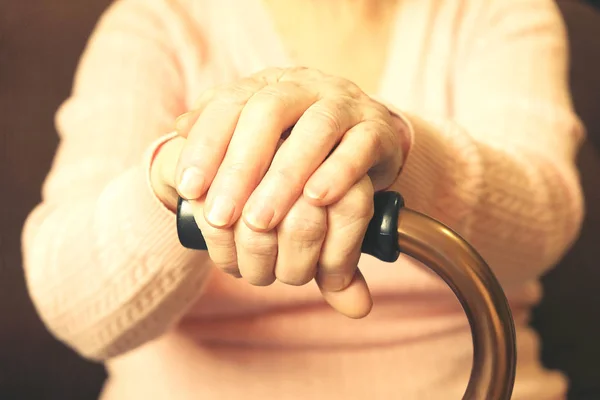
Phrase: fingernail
x=191 y=184
x=315 y=193
x=333 y=282
x=260 y=216
x=182 y=122
x=220 y=212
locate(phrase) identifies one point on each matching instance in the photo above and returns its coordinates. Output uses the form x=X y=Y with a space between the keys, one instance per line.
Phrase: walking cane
x=395 y=229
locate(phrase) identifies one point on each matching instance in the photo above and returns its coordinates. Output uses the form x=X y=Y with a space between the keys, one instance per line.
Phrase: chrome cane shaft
x=394 y=230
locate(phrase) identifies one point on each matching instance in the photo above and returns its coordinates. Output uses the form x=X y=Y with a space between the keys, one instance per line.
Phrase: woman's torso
x=283 y=342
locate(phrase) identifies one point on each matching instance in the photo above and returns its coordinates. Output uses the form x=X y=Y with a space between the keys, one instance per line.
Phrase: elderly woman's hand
x=293 y=209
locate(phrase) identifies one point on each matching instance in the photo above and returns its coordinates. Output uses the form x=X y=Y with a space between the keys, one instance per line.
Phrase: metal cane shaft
x=394 y=230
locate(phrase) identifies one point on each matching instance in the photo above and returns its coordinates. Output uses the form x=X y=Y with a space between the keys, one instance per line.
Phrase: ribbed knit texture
x=483 y=85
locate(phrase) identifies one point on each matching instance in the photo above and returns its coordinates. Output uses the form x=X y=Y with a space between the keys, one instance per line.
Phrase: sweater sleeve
x=500 y=171
x=102 y=261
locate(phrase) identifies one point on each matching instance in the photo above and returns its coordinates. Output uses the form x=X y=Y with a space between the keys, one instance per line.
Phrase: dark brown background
x=40 y=42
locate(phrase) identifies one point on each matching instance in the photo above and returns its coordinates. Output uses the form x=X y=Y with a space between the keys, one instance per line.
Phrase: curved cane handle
x=395 y=229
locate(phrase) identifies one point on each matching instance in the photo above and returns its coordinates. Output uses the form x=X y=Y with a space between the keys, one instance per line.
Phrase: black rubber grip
x=381 y=239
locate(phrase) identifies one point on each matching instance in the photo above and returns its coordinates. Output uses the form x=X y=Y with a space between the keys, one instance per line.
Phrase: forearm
x=107 y=272
x=520 y=208
x=498 y=163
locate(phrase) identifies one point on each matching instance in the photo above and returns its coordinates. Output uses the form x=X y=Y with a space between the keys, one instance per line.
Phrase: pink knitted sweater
x=483 y=83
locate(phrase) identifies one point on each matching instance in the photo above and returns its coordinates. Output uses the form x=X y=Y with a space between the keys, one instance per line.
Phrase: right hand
x=290 y=253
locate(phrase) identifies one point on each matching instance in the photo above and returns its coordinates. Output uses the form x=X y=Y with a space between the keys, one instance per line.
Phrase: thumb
x=162 y=171
x=353 y=301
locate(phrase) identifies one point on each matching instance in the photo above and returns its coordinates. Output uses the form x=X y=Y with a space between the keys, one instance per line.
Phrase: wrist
x=405 y=133
x=401 y=124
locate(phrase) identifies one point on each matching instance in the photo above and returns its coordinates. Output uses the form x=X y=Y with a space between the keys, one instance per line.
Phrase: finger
x=220 y=242
x=326 y=85
x=360 y=151
x=184 y=122
x=354 y=301
x=162 y=173
x=256 y=254
x=209 y=137
x=312 y=139
x=300 y=236
x=337 y=278
x=267 y=114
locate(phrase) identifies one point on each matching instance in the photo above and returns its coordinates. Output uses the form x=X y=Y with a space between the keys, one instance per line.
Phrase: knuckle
x=217 y=238
x=206 y=95
x=235 y=168
x=313 y=73
x=298 y=72
x=374 y=137
x=344 y=87
x=336 y=263
x=344 y=258
x=363 y=197
x=269 y=74
x=365 y=209
x=295 y=278
x=306 y=231
x=259 y=245
x=259 y=279
x=233 y=174
x=269 y=100
x=221 y=253
x=288 y=175
x=328 y=119
x=339 y=82
x=325 y=118
x=377 y=109
x=357 y=205
x=232 y=95
x=349 y=88
x=194 y=152
x=348 y=171
x=335 y=280
x=236 y=94
x=221 y=249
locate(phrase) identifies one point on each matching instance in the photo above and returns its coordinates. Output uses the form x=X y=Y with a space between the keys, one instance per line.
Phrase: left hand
x=341 y=146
